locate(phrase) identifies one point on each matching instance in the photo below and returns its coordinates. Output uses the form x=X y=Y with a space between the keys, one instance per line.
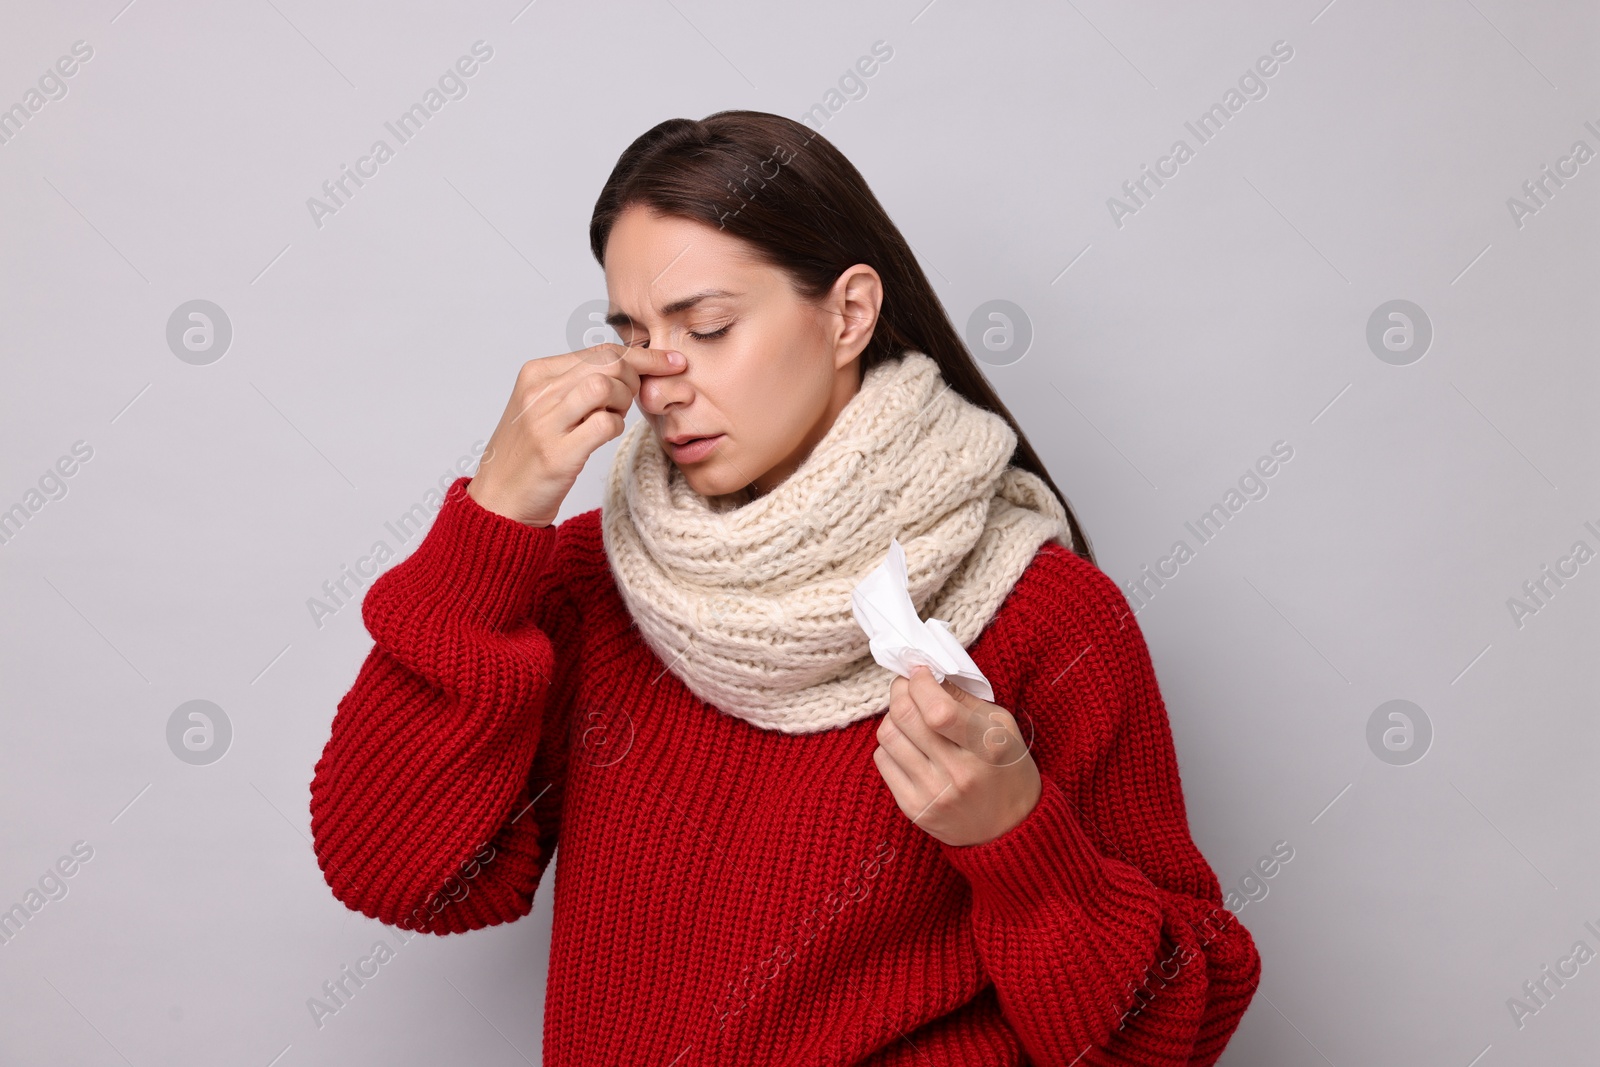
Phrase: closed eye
x=712 y=336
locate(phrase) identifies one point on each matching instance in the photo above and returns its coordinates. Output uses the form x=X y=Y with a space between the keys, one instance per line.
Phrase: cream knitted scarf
x=749 y=604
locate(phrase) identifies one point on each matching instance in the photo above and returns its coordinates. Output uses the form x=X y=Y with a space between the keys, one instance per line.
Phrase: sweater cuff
x=1045 y=858
x=484 y=562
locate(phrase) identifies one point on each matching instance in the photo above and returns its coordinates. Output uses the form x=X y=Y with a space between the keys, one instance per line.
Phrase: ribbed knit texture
x=750 y=607
x=733 y=895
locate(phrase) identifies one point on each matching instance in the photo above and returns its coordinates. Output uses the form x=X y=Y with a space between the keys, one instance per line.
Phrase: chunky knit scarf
x=749 y=603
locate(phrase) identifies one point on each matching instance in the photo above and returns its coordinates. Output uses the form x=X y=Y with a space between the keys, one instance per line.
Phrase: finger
x=634 y=359
x=534 y=382
x=983 y=727
x=900 y=784
x=600 y=392
x=604 y=354
x=607 y=415
x=925 y=703
x=607 y=358
x=571 y=399
x=964 y=697
x=899 y=692
x=602 y=425
x=637 y=363
x=1002 y=743
x=954 y=721
x=904 y=751
x=654 y=360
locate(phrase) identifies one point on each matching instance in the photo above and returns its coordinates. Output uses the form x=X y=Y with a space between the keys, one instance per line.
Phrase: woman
x=773 y=849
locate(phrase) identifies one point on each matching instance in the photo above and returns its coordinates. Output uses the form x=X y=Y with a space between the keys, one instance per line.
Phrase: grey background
x=1167 y=355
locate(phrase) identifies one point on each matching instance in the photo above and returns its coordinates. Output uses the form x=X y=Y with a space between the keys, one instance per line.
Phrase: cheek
x=790 y=398
x=759 y=410
x=767 y=397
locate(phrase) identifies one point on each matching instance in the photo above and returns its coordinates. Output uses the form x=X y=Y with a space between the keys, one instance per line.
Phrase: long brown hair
x=787 y=191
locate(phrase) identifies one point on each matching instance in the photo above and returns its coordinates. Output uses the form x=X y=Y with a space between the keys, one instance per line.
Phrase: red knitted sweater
x=732 y=895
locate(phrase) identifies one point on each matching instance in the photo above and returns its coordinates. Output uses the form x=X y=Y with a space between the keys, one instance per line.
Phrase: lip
x=690 y=450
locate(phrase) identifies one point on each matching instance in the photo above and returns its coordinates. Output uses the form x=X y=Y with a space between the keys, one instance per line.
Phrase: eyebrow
x=621 y=318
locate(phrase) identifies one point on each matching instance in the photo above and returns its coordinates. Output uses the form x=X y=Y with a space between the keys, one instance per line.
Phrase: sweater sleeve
x=1099 y=921
x=436 y=803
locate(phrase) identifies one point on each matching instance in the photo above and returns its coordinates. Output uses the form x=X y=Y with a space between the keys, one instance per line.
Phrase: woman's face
x=767 y=372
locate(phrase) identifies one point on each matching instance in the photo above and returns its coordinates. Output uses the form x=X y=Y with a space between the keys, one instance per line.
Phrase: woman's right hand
x=562 y=409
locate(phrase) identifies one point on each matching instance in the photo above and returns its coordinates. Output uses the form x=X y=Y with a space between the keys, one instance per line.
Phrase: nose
x=659 y=392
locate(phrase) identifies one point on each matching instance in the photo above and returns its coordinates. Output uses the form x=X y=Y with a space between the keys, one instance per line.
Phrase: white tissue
x=900 y=640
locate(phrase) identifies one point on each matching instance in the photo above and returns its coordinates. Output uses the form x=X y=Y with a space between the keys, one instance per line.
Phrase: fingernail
x=675 y=358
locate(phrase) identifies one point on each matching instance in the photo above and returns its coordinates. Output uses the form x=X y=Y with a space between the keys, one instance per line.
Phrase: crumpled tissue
x=899 y=640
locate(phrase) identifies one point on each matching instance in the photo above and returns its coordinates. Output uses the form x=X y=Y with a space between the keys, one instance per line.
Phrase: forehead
x=656 y=261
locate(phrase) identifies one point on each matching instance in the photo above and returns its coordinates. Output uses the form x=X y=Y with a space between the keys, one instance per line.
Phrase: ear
x=855 y=301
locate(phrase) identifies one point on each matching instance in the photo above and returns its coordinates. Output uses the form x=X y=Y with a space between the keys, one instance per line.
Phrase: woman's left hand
x=956 y=764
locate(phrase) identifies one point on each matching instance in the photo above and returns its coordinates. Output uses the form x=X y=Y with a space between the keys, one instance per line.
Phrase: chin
x=707 y=482
x=710 y=481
